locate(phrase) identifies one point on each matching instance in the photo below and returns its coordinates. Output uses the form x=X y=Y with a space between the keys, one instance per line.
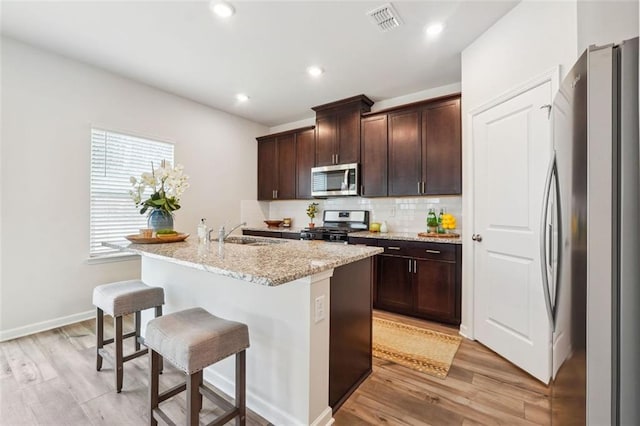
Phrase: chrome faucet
x=222 y=234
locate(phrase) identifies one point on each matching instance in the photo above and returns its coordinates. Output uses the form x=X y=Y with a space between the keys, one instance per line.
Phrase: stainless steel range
x=337 y=224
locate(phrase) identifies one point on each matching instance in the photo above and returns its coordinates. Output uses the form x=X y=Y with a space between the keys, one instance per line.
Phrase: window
x=114 y=159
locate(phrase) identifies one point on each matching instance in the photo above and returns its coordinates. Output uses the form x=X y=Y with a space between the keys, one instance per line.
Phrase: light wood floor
x=49 y=378
x=481 y=388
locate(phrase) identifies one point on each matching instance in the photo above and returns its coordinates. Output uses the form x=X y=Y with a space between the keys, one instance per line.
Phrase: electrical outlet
x=319 y=309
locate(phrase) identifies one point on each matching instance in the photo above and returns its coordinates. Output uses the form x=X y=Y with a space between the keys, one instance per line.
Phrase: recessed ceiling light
x=434 y=29
x=315 y=71
x=242 y=97
x=222 y=9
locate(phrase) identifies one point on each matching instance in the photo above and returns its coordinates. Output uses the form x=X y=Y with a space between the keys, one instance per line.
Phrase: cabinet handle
x=415 y=266
x=361 y=189
x=423 y=185
x=393 y=248
x=433 y=251
x=419 y=187
x=276 y=194
x=337 y=158
x=273 y=193
x=409 y=265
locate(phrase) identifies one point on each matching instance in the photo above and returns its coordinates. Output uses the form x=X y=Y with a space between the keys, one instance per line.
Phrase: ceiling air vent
x=385 y=17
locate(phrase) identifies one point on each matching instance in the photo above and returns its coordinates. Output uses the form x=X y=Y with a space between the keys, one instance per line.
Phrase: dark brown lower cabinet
x=349 y=330
x=393 y=291
x=272 y=234
x=420 y=279
x=435 y=290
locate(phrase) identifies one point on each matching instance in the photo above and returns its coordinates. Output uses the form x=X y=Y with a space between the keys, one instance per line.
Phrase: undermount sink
x=252 y=241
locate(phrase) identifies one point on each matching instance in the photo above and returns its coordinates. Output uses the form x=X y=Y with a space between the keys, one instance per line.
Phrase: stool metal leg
x=154 y=372
x=137 y=321
x=194 y=398
x=99 y=337
x=241 y=361
x=118 y=343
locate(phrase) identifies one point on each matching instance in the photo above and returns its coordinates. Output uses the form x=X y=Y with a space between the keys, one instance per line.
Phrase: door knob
x=476 y=237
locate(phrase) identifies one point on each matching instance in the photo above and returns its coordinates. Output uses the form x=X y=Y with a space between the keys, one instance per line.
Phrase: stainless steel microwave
x=342 y=179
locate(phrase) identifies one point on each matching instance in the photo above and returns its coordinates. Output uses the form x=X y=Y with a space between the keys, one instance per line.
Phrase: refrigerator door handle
x=543 y=239
x=558 y=227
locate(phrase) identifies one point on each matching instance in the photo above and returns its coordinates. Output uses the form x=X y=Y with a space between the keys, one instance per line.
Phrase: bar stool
x=118 y=299
x=192 y=340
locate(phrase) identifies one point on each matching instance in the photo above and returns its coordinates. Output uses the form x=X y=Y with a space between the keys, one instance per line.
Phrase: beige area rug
x=420 y=349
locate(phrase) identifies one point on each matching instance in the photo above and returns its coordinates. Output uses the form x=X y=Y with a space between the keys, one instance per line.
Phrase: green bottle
x=432 y=221
x=440 y=228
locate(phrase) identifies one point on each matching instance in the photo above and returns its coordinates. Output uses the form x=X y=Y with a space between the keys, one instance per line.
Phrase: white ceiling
x=263 y=50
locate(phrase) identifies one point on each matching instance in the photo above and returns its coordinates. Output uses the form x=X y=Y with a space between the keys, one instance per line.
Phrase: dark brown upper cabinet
x=374 y=156
x=405 y=163
x=338 y=130
x=425 y=156
x=442 y=148
x=284 y=164
x=305 y=159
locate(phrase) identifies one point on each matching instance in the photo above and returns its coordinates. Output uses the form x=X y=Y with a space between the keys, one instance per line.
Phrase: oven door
x=335 y=180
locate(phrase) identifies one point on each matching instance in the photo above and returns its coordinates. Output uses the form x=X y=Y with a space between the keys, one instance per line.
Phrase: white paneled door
x=512 y=147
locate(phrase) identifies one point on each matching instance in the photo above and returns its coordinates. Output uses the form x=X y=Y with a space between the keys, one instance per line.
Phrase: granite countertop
x=278 y=229
x=268 y=265
x=406 y=236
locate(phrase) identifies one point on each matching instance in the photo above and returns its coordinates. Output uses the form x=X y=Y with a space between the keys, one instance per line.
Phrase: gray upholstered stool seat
x=192 y=340
x=126 y=297
x=118 y=299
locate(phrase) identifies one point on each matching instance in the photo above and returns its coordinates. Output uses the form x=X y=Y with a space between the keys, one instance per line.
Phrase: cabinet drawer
x=434 y=251
x=419 y=250
x=291 y=235
x=271 y=234
x=395 y=247
x=363 y=241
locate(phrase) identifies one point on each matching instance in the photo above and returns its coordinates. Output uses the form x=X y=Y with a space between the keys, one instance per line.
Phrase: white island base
x=288 y=360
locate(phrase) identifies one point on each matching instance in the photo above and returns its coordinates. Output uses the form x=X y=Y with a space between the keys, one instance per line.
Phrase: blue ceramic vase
x=160 y=219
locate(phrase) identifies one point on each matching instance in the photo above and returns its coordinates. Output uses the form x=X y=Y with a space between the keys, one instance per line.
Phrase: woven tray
x=435 y=235
x=172 y=238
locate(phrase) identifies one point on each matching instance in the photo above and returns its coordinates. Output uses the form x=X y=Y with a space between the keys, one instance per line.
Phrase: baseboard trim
x=464 y=332
x=262 y=407
x=26 y=330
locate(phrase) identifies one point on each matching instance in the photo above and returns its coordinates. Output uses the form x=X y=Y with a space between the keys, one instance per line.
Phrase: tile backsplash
x=405 y=214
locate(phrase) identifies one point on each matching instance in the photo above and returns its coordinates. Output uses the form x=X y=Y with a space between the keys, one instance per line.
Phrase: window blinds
x=115 y=158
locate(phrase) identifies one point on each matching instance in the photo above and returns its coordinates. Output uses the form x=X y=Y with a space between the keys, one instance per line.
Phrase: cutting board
x=436 y=235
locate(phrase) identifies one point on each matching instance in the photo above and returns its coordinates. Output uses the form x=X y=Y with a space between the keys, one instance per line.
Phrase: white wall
x=531 y=39
x=603 y=22
x=49 y=104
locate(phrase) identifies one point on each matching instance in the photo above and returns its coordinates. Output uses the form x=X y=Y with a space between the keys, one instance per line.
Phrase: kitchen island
x=282 y=290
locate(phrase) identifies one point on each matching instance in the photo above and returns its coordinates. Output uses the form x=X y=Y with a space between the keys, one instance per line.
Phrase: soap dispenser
x=383 y=228
x=202 y=231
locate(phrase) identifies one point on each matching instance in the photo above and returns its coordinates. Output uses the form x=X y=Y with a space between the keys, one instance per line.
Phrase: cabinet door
x=374 y=156
x=442 y=148
x=348 y=146
x=305 y=155
x=405 y=171
x=286 y=189
x=325 y=140
x=435 y=289
x=267 y=168
x=393 y=289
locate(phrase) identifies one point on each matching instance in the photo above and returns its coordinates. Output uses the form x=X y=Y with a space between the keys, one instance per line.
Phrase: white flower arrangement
x=167 y=183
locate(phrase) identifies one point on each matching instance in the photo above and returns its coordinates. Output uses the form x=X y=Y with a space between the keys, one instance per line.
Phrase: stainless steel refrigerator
x=591 y=240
